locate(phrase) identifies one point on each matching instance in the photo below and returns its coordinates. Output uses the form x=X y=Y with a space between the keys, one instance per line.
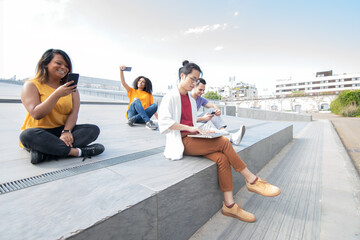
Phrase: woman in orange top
x=52 y=106
x=141 y=102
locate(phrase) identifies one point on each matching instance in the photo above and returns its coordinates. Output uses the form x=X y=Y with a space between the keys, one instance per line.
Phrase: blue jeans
x=140 y=114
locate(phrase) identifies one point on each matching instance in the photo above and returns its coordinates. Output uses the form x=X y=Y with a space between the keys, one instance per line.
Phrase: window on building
x=324 y=106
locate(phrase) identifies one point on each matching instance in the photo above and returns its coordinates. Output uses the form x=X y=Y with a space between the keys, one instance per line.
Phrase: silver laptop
x=208 y=135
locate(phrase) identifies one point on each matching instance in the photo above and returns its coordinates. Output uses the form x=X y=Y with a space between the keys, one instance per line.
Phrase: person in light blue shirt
x=211 y=119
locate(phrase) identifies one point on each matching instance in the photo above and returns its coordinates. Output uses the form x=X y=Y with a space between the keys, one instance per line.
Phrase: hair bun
x=185 y=62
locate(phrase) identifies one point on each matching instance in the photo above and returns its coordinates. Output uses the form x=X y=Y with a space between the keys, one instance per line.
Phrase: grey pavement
x=320 y=198
x=348 y=129
x=320 y=194
x=101 y=193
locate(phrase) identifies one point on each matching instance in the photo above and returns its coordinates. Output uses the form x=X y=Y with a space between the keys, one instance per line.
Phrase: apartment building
x=323 y=83
x=238 y=91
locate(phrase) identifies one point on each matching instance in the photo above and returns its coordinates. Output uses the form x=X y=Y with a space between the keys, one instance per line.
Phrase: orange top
x=146 y=99
x=58 y=115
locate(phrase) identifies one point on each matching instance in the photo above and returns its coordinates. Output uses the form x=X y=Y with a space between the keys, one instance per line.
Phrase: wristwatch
x=64 y=131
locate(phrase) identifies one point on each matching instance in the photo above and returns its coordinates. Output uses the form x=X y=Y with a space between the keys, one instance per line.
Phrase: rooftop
x=131 y=186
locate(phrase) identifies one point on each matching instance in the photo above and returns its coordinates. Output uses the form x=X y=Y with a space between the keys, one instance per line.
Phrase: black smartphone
x=73 y=77
x=128 y=69
x=212 y=113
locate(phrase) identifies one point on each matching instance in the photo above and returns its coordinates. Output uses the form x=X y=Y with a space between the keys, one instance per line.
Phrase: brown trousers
x=220 y=151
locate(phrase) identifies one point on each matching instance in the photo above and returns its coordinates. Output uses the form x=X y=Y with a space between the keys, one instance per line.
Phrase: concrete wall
x=272 y=115
x=305 y=104
x=178 y=211
x=111 y=94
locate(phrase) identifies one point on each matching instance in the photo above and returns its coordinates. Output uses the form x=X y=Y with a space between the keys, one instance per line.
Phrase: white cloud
x=218 y=48
x=206 y=28
x=236 y=14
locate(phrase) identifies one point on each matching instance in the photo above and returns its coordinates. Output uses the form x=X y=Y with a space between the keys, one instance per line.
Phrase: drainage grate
x=353 y=150
x=68 y=172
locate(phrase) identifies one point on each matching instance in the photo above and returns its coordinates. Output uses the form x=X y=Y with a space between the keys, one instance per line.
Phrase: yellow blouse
x=58 y=115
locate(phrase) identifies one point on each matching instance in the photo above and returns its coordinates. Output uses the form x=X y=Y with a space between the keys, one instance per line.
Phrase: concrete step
x=319 y=200
x=144 y=196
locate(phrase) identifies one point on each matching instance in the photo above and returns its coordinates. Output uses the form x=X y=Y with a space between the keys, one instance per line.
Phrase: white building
x=323 y=83
x=238 y=91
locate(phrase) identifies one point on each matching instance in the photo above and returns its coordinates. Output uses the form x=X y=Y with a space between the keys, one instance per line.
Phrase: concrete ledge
x=230 y=110
x=272 y=115
x=185 y=193
x=148 y=197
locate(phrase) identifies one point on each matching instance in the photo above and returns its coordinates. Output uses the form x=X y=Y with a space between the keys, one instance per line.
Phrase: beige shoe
x=263 y=188
x=238 y=212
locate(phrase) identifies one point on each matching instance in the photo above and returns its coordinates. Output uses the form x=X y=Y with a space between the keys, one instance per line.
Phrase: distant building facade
x=323 y=83
x=239 y=91
x=100 y=83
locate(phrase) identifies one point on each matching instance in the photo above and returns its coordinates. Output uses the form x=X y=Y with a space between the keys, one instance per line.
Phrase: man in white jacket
x=169 y=114
x=177 y=119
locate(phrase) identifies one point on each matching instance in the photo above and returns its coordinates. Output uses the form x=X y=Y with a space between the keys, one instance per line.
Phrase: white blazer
x=170 y=113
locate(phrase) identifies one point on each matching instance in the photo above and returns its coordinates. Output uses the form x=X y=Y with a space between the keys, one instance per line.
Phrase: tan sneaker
x=238 y=212
x=263 y=188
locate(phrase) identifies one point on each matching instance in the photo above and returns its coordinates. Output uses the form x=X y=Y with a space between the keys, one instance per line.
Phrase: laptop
x=208 y=135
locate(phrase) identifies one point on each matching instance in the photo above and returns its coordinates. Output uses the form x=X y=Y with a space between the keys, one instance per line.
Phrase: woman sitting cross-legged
x=52 y=105
x=141 y=102
x=177 y=119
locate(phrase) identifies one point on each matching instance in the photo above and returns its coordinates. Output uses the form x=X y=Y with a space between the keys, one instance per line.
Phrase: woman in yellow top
x=141 y=102
x=52 y=106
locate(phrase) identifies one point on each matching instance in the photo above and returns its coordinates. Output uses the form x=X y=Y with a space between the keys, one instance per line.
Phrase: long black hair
x=41 y=70
x=188 y=67
x=148 y=84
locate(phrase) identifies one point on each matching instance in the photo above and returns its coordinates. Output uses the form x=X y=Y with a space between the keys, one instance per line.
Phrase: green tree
x=211 y=95
x=347 y=103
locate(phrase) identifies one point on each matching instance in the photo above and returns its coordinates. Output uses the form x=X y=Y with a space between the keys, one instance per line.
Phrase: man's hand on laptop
x=194 y=130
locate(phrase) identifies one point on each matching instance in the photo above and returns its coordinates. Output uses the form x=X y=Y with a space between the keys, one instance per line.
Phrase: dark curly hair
x=148 y=84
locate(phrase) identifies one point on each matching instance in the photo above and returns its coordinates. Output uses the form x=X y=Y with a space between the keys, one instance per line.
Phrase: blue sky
x=255 y=41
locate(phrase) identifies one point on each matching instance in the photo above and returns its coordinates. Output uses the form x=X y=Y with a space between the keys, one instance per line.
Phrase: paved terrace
x=320 y=198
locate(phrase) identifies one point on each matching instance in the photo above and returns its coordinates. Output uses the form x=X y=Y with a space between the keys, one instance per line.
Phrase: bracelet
x=64 y=131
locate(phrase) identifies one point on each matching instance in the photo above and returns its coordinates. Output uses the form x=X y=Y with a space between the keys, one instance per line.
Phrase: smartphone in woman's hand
x=73 y=77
